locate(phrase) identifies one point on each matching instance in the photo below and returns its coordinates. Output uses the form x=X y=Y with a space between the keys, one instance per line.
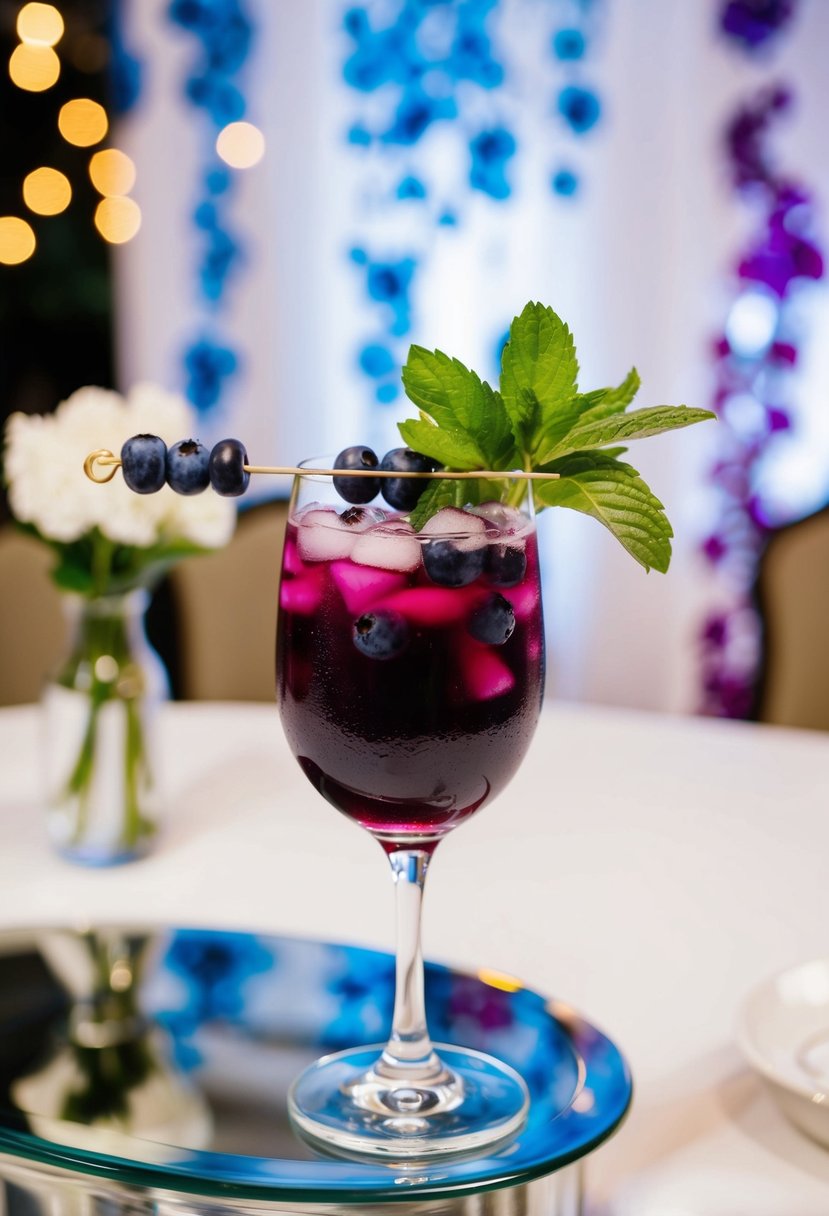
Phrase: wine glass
x=410 y=670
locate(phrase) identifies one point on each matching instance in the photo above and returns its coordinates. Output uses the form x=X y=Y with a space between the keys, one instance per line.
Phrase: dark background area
x=56 y=307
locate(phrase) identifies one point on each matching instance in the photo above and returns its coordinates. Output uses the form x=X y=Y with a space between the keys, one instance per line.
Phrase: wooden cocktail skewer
x=103 y=458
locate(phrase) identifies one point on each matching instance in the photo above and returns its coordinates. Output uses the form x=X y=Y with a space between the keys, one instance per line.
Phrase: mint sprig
x=538 y=420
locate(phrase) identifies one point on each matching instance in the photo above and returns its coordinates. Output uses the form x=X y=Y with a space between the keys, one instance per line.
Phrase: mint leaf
x=436 y=495
x=614 y=494
x=593 y=432
x=448 y=445
x=538 y=374
x=456 y=399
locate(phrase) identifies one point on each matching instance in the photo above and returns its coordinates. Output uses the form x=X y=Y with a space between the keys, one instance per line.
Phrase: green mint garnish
x=538 y=420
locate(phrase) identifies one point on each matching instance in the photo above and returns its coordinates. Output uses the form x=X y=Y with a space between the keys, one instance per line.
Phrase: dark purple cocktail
x=410 y=670
x=410 y=742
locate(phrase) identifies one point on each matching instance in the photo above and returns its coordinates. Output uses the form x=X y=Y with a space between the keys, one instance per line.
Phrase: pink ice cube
x=302 y=594
x=433 y=605
x=362 y=586
x=291 y=561
x=524 y=598
x=484 y=673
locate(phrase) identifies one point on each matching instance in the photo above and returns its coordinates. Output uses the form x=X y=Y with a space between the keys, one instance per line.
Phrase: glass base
x=343 y=1106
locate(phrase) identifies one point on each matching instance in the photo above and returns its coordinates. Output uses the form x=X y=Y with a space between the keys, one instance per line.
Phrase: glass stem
x=409 y=1056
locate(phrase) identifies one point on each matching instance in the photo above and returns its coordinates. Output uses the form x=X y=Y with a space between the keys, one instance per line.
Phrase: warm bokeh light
x=34 y=68
x=17 y=240
x=499 y=979
x=46 y=191
x=82 y=122
x=240 y=145
x=112 y=172
x=39 y=24
x=117 y=219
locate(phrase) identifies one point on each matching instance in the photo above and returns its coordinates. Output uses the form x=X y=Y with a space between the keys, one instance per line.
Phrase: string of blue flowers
x=223 y=33
x=433 y=64
x=755 y=357
x=577 y=101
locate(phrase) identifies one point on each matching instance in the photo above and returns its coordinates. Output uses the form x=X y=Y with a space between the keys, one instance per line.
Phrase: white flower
x=49 y=489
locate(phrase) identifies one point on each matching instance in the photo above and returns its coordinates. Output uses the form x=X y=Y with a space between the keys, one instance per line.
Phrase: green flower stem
x=102 y=668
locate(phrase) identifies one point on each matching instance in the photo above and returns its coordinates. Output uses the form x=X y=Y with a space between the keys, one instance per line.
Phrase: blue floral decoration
x=125 y=70
x=224 y=33
x=580 y=108
x=490 y=151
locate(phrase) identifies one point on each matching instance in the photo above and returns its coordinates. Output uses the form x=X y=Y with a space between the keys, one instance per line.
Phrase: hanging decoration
x=223 y=33
x=577 y=102
x=436 y=128
x=755 y=357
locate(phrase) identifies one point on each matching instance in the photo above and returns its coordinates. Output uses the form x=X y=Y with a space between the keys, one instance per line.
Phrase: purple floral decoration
x=754 y=358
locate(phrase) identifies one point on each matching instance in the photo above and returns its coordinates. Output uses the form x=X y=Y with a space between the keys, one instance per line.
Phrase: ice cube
x=392 y=545
x=524 y=598
x=433 y=605
x=466 y=531
x=302 y=594
x=292 y=563
x=500 y=519
x=362 y=586
x=322 y=536
x=484 y=673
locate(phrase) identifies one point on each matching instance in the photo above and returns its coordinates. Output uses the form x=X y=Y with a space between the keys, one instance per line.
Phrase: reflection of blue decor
x=214 y=967
x=365 y=997
x=224 y=34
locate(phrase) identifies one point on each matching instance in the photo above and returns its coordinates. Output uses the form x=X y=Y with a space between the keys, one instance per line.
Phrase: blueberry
x=404 y=493
x=381 y=635
x=506 y=565
x=493 y=621
x=354 y=516
x=144 y=463
x=357 y=489
x=227 y=468
x=188 y=469
x=450 y=566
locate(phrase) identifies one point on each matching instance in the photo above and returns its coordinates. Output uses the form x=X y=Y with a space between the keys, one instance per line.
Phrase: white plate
x=783 y=1030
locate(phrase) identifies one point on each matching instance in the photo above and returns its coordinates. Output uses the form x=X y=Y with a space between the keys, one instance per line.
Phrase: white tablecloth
x=647 y=870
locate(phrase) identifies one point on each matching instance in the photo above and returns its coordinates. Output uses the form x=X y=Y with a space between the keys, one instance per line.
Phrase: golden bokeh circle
x=17 y=240
x=82 y=122
x=240 y=145
x=46 y=191
x=112 y=172
x=117 y=219
x=39 y=24
x=33 y=68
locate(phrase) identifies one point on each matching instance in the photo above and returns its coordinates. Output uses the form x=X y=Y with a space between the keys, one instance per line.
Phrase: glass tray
x=161 y=1058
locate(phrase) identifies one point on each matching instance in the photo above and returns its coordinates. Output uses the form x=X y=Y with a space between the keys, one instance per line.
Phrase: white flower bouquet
x=106 y=543
x=110 y=548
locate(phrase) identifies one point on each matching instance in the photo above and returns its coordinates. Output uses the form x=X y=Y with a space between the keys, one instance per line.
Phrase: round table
x=647 y=870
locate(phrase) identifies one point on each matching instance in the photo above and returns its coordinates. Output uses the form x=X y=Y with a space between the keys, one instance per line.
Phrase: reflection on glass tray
x=170 y=1053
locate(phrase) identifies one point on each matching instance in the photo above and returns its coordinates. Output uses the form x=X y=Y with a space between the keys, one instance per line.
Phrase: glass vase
x=100 y=711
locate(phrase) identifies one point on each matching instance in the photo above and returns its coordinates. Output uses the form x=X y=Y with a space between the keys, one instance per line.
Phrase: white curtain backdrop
x=637 y=263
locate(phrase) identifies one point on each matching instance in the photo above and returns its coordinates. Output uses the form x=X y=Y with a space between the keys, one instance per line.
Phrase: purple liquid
x=409 y=746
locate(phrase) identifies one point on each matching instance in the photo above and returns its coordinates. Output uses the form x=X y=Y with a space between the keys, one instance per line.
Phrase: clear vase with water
x=100 y=718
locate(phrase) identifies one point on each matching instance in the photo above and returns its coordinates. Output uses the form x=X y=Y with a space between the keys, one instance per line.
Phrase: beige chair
x=793 y=595
x=32 y=627
x=225 y=605
x=220 y=639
